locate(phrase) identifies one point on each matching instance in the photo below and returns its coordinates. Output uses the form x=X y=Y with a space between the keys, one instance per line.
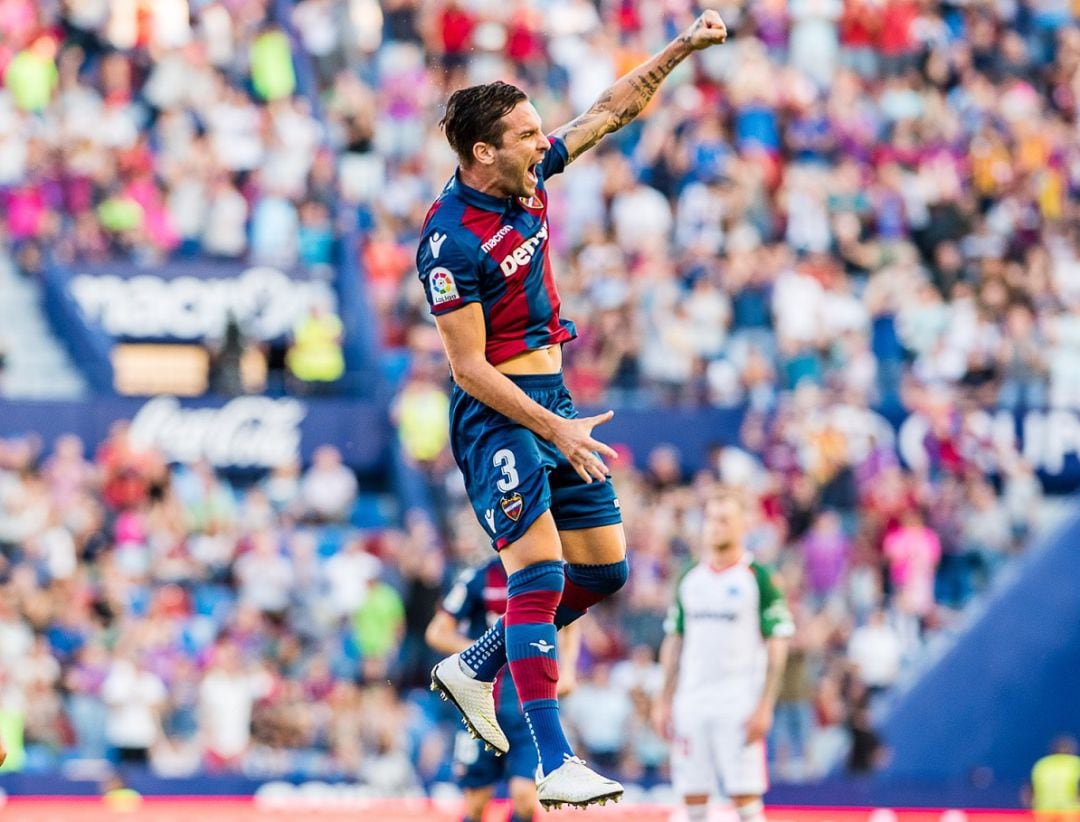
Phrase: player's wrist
x=680 y=48
x=552 y=427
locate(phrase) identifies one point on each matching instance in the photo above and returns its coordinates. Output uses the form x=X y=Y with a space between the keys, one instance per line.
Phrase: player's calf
x=533 y=594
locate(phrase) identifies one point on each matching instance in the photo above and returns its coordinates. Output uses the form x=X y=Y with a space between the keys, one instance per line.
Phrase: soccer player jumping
x=535 y=475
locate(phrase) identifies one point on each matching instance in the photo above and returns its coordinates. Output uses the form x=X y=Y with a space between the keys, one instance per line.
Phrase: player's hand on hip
x=661 y=718
x=707 y=30
x=759 y=724
x=574 y=438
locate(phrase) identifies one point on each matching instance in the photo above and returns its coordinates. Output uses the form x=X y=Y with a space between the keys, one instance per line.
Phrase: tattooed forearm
x=624 y=101
x=628 y=97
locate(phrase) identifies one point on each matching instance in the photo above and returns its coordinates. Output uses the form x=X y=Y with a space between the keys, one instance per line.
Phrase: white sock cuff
x=697 y=813
x=751 y=811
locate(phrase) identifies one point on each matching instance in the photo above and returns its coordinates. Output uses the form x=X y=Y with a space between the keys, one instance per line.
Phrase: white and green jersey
x=724 y=617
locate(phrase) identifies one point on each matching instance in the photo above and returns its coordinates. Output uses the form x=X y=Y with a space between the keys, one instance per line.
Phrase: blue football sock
x=531 y=647
x=484 y=658
x=542 y=716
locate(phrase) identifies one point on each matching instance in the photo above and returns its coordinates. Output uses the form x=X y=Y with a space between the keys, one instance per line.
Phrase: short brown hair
x=473 y=115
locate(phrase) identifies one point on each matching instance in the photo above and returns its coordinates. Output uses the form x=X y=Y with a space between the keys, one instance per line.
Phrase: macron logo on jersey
x=494 y=241
x=523 y=254
x=435 y=241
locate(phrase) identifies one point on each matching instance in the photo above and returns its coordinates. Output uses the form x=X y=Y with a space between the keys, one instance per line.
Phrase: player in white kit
x=723 y=658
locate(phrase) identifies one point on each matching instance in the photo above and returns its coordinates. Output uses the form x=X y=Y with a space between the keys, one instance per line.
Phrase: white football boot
x=575 y=784
x=474 y=698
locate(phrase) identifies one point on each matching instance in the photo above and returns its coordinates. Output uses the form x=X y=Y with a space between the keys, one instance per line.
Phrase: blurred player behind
x=723 y=659
x=474 y=603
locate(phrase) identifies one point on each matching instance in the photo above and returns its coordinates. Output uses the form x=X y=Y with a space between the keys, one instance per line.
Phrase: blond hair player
x=723 y=658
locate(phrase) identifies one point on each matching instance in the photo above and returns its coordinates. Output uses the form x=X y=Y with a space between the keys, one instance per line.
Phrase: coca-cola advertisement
x=247 y=433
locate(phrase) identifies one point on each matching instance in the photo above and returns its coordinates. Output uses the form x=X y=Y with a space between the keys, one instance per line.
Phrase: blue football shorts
x=513 y=476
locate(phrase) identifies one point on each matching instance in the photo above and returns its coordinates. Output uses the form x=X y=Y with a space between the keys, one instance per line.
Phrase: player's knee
x=604 y=580
x=534 y=592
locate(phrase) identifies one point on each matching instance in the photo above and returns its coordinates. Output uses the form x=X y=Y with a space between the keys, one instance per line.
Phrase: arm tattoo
x=624 y=101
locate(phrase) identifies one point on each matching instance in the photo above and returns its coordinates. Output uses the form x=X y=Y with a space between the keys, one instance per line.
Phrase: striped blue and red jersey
x=476 y=601
x=478 y=248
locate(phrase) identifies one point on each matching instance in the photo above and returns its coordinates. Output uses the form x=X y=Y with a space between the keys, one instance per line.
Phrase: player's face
x=724 y=523
x=523 y=147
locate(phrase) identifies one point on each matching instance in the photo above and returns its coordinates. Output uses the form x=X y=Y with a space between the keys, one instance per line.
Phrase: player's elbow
x=439 y=635
x=467 y=370
x=433 y=635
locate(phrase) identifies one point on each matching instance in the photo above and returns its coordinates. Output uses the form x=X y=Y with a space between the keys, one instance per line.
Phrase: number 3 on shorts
x=504 y=460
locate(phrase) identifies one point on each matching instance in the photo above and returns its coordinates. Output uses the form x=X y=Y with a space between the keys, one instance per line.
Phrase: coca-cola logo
x=265 y=302
x=248 y=432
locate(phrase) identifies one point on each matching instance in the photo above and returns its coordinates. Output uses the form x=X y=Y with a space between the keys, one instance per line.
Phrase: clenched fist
x=707 y=30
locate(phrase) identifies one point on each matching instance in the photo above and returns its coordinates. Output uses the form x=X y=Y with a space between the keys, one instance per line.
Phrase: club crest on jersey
x=443 y=287
x=512 y=506
x=531 y=202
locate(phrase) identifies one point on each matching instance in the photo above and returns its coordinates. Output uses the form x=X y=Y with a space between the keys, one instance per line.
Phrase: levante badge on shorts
x=512 y=506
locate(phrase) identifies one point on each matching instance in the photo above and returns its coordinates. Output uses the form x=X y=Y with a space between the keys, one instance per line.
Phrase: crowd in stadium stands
x=849 y=193
x=153 y=129
x=853 y=203
x=158 y=614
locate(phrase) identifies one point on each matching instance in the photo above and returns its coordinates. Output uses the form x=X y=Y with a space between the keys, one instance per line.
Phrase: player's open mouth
x=530 y=173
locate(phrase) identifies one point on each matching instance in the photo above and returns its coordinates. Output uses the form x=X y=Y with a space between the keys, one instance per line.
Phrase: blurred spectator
x=227 y=698
x=826 y=550
x=875 y=652
x=315 y=358
x=348 y=574
x=328 y=488
x=987 y=533
x=1055 y=782
x=31 y=76
x=272 y=74
x=134 y=697
x=226 y=366
x=599 y=712
x=913 y=552
x=421 y=412
x=793 y=724
x=265 y=577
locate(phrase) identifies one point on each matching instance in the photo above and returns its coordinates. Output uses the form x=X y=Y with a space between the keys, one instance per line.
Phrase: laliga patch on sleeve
x=443 y=287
